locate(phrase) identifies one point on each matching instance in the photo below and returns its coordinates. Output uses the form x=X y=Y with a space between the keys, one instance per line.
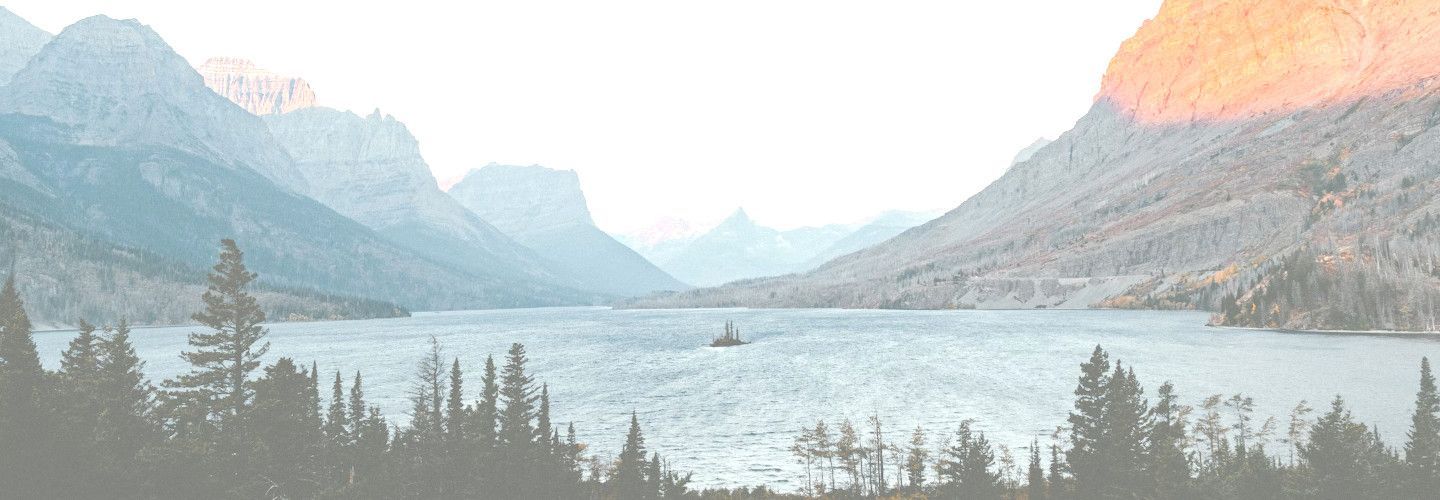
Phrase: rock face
x=370 y=170
x=258 y=91
x=1226 y=60
x=1271 y=161
x=122 y=171
x=545 y=210
x=19 y=41
x=117 y=83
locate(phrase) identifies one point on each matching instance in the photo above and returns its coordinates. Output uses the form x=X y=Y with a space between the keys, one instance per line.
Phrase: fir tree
x=289 y=439
x=79 y=378
x=1036 y=484
x=916 y=460
x=966 y=466
x=455 y=407
x=629 y=475
x=1121 y=450
x=1422 y=450
x=1168 y=466
x=1341 y=455
x=125 y=422
x=485 y=414
x=24 y=425
x=542 y=420
x=1087 y=426
x=357 y=407
x=517 y=459
x=335 y=419
x=223 y=359
x=517 y=432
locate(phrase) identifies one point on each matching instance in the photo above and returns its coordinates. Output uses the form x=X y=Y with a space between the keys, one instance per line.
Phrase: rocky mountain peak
x=117 y=83
x=522 y=199
x=1208 y=60
x=19 y=41
x=257 y=90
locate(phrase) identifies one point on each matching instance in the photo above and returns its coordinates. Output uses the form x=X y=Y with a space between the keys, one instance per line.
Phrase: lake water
x=730 y=414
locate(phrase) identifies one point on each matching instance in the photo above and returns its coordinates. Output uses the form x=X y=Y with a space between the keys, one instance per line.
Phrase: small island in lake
x=731 y=338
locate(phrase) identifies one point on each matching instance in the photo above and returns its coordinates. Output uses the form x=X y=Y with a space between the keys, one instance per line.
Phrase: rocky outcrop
x=1230 y=138
x=257 y=90
x=115 y=83
x=545 y=210
x=1208 y=60
x=370 y=170
x=19 y=41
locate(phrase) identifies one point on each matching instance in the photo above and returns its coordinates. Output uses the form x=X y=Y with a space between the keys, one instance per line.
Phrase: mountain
x=19 y=41
x=545 y=210
x=112 y=83
x=1270 y=161
x=257 y=90
x=887 y=225
x=370 y=170
x=113 y=146
x=739 y=249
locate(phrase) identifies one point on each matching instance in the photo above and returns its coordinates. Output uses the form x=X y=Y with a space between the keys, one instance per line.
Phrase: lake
x=730 y=414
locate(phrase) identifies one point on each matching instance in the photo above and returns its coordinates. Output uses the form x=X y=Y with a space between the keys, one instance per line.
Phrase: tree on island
x=730 y=338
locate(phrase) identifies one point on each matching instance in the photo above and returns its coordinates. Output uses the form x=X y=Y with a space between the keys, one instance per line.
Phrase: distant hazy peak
x=522 y=199
x=19 y=41
x=1025 y=154
x=738 y=217
x=259 y=91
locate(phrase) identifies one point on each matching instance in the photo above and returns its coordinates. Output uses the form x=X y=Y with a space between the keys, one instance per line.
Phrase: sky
x=804 y=112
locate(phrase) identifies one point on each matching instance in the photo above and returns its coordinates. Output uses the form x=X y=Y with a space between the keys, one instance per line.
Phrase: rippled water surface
x=730 y=414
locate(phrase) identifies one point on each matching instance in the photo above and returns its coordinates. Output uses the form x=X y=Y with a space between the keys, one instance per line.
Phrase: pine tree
x=335 y=431
x=966 y=466
x=24 y=424
x=848 y=450
x=1422 y=450
x=1055 y=477
x=217 y=385
x=542 y=421
x=516 y=459
x=1341 y=455
x=357 y=407
x=1036 y=485
x=517 y=432
x=1168 y=467
x=1121 y=451
x=282 y=424
x=485 y=414
x=1087 y=426
x=629 y=475
x=915 y=462
x=455 y=407
x=79 y=377
x=125 y=422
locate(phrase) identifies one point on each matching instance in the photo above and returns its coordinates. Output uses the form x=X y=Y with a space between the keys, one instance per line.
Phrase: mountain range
x=1270 y=161
x=120 y=172
x=739 y=248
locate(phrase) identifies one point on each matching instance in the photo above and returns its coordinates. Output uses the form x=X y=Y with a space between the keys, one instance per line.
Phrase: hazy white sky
x=804 y=112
